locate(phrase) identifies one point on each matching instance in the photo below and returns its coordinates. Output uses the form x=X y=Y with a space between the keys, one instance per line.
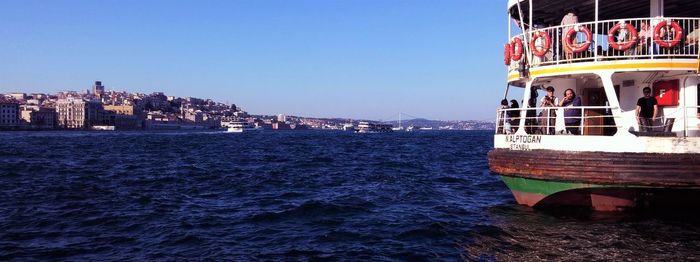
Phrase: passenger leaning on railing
x=667 y=33
x=514 y=116
x=646 y=111
x=692 y=41
x=502 y=121
x=531 y=116
x=548 y=116
x=644 y=38
x=569 y=19
x=572 y=117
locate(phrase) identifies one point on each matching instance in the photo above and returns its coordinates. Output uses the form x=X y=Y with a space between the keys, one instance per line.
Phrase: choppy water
x=294 y=196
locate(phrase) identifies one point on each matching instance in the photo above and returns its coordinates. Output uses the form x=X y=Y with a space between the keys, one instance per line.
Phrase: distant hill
x=416 y=122
x=446 y=125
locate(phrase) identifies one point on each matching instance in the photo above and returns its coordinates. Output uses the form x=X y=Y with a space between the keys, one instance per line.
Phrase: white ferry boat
x=369 y=127
x=594 y=148
x=240 y=127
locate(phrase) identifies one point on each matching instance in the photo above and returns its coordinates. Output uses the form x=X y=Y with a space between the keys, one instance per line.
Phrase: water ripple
x=291 y=196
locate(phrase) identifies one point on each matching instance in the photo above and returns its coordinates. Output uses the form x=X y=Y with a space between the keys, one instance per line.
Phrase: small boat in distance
x=240 y=127
x=418 y=128
x=348 y=127
x=369 y=127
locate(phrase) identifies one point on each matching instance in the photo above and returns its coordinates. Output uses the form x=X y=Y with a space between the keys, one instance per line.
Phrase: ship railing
x=692 y=121
x=600 y=49
x=587 y=120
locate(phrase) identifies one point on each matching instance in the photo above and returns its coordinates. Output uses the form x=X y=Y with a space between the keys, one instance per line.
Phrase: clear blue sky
x=324 y=58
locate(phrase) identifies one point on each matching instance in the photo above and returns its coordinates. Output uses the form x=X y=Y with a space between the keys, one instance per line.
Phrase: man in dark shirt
x=572 y=117
x=646 y=111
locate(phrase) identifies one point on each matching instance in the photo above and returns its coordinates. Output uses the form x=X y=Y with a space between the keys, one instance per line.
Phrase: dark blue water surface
x=294 y=196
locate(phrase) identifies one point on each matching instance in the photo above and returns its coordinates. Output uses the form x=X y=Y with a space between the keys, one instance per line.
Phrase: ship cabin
x=607 y=53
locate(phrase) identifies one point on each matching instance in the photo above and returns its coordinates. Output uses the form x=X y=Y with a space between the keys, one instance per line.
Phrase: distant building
x=196 y=117
x=194 y=101
x=122 y=117
x=9 y=113
x=39 y=96
x=122 y=122
x=98 y=89
x=281 y=118
x=281 y=126
x=128 y=110
x=17 y=96
x=75 y=113
x=39 y=117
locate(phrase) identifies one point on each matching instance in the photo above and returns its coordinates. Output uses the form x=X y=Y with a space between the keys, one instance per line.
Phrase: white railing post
x=580 y=123
x=595 y=47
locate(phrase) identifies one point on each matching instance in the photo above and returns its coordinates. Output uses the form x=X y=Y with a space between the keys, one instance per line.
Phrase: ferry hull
x=600 y=180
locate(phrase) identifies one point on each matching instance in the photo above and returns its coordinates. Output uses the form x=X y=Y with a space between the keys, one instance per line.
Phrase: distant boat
x=418 y=128
x=349 y=127
x=240 y=127
x=368 y=127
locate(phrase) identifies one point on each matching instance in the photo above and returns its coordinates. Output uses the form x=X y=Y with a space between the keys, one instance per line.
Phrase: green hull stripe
x=542 y=186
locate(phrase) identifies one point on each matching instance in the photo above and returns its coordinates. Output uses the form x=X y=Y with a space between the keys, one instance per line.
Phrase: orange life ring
x=506 y=54
x=676 y=38
x=625 y=45
x=547 y=43
x=516 y=49
x=571 y=35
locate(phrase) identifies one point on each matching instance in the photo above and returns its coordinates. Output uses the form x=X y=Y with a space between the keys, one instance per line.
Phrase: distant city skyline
x=356 y=59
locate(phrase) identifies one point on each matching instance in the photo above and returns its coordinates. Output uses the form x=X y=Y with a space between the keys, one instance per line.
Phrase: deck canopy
x=551 y=11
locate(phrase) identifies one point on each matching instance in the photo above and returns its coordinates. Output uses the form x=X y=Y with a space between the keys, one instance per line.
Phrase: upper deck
x=621 y=35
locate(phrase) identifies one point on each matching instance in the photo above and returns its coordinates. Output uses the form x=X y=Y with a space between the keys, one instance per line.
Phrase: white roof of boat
x=552 y=11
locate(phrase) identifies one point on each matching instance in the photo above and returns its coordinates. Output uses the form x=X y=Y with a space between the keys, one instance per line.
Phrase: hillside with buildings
x=98 y=109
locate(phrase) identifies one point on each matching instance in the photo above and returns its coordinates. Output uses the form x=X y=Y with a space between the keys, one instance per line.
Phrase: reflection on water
x=522 y=233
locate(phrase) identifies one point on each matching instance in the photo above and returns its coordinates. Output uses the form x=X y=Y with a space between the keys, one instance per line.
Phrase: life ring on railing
x=571 y=35
x=547 y=43
x=625 y=45
x=516 y=49
x=506 y=54
x=676 y=38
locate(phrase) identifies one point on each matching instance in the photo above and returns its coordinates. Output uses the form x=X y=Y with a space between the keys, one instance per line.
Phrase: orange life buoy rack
x=676 y=38
x=516 y=49
x=506 y=54
x=547 y=43
x=571 y=35
x=625 y=45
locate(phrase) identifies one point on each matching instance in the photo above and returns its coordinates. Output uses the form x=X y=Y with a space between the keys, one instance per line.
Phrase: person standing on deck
x=514 y=115
x=692 y=38
x=548 y=115
x=502 y=122
x=572 y=117
x=569 y=19
x=647 y=107
x=645 y=36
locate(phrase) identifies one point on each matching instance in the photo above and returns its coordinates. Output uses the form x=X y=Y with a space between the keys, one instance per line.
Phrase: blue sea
x=296 y=195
